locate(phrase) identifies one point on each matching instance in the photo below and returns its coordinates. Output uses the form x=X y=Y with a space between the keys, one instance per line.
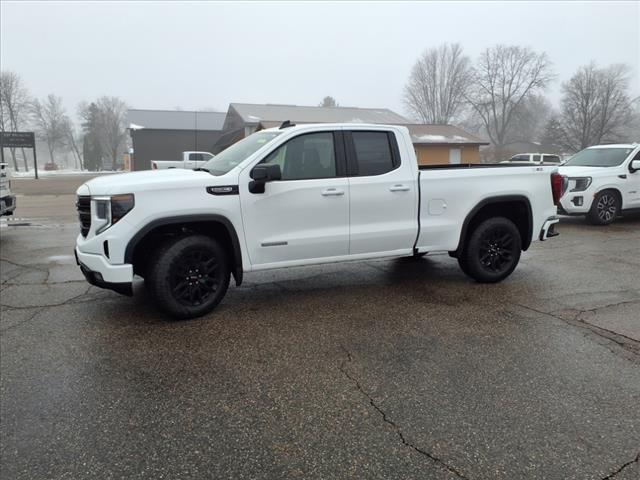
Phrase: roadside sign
x=17 y=140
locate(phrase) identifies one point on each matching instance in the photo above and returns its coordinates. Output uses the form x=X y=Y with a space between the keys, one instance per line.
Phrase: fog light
x=577 y=201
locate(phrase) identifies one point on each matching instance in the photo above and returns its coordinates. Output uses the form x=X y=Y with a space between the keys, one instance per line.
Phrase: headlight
x=110 y=210
x=120 y=206
x=579 y=184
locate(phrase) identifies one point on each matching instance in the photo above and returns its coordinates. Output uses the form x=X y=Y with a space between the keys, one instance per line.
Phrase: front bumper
x=7 y=205
x=101 y=273
x=549 y=229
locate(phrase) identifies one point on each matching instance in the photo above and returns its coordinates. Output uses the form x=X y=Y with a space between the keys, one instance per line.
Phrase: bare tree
x=595 y=106
x=71 y=140
x=328 y=101
x=437 y=86
x=112 y=127
x=49 y=119
x=504 y=78
x=529 y=120
x=14 y=108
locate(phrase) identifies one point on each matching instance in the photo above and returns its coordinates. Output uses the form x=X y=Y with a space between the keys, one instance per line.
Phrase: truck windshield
x=236 y=153
x=599 y=157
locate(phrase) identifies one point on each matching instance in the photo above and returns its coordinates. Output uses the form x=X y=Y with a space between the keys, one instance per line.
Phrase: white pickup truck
x=302 y=195
x=7 y=200
x=190 y=160
x=603 y=182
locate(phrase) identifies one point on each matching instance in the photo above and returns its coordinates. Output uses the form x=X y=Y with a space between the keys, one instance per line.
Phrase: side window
x=197 y=157
x=373 y=153
x=552 y=159
x=637 y=156
x=536 y=158
x=520 y=158
x=305 y=157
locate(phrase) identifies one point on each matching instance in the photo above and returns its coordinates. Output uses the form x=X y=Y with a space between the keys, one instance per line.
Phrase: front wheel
x=493 y=250
x=190 y=276
x=605 y=208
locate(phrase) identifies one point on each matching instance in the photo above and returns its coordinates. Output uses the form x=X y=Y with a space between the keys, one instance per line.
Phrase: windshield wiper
x=202 y=169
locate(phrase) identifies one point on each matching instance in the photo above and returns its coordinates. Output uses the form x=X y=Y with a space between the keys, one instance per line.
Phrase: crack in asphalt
x=38 y=310
x=619 y=470
x=47 y=305
x=630 y=345
x=396 y=428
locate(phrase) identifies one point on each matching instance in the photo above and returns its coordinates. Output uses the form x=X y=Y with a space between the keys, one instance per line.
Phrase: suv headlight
x=110 y=210
x=579 y=184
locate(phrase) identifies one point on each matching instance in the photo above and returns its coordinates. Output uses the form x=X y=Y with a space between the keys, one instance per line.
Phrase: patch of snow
x=355 y=120
x=61 y=258
x=133 y=126
x=251 y=117
x=53 y=173
x=442 y=139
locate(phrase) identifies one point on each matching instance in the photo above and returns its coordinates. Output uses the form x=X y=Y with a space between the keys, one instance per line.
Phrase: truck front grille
x=83 y=204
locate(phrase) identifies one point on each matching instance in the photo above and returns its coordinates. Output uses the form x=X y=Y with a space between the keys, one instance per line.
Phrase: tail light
x=558 y=186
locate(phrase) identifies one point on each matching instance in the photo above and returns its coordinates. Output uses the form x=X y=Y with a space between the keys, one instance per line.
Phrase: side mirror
x=266 y=172
x=262 y=174
x=634 y=166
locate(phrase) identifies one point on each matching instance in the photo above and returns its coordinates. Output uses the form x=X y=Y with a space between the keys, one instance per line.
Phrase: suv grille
x=83 y=204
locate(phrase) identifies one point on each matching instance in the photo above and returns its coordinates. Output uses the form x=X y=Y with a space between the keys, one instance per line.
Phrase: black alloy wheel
x=190 y=275
x=492 y=251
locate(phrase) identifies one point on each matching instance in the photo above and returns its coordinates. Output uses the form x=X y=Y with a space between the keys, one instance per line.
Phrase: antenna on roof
x=287 y=124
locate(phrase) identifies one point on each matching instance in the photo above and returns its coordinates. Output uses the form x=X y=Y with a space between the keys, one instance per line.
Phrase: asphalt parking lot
x=382 y=369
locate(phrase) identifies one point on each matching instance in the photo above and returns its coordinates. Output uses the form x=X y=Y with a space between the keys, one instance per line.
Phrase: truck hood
x=140 y=181
x=583 y=171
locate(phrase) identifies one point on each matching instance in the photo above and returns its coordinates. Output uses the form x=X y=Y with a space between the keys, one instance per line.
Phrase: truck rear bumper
x=549 y=229
x=102 y=274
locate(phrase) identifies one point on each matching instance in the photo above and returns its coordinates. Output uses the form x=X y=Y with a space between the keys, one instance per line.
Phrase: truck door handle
x=332 y=192
x=399 y=188
x=622 y=176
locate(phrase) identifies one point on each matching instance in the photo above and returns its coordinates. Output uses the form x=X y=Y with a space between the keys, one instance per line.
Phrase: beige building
x=444 y=144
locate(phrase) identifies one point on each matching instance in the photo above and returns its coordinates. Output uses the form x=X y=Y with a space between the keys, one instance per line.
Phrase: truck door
x=384 y=198
x=305 y=215
x=194 y=160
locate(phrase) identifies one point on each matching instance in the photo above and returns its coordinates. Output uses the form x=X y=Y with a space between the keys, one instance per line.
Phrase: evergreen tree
x=91 y=149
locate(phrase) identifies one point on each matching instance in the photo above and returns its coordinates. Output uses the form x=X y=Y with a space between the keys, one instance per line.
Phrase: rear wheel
x=190 y=276
x=493 y=250
x=605 y=208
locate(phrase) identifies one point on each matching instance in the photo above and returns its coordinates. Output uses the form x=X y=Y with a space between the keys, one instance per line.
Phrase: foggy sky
x=205 y=55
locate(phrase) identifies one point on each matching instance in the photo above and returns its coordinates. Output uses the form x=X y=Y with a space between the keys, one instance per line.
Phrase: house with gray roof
x=245 y=118
x=442 y=144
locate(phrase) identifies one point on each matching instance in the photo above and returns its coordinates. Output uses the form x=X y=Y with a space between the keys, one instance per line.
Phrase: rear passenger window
x=552 y=159
x=373 y=153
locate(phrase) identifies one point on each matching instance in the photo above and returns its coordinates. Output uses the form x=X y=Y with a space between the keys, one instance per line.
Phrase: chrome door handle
x=332 y=192
x=399 y=188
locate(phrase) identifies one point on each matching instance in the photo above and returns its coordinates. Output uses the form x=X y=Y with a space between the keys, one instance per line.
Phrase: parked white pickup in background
x=190 y=160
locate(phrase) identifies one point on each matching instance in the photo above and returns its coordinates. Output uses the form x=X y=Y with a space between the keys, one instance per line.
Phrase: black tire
x=190 y=276
x=605 y=208
x=493 y=250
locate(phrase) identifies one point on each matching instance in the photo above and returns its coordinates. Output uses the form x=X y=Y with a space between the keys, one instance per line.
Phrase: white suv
x=602 y=182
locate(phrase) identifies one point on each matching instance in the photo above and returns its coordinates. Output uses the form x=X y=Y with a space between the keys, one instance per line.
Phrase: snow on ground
x=53 y=173
x=442 y=138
